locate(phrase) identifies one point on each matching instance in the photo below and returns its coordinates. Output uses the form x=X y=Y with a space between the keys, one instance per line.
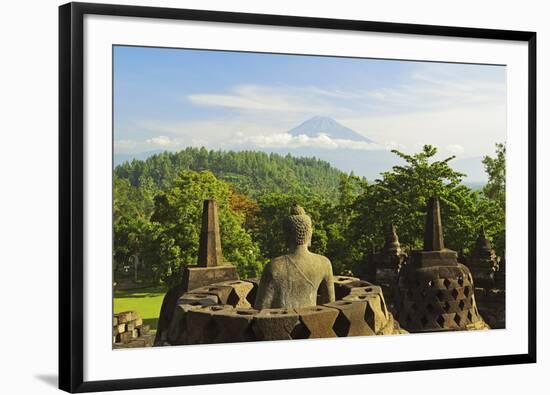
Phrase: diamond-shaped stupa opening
x=300 y=332
x=369 y=316
x=457 y=319
x=341 y=325
x=454 y=293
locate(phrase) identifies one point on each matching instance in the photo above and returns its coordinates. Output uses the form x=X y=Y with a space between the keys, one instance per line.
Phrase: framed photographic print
x=251 y=197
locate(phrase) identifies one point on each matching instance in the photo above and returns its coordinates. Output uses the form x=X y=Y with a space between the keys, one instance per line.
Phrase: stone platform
x=222 y=313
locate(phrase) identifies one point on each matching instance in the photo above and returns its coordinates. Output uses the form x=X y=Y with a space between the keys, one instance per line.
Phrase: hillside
x=250 y=172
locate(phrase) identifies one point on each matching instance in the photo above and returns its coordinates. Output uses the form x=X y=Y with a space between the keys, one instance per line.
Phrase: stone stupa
x=483 y=261
x=297 y=298
x=435 y=292
x=211 y=268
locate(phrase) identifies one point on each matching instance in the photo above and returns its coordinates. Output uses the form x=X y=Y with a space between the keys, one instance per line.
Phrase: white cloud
x=163 y=141
x=465 y=132
x=286 y=99
x=451 y=107
x=455 y=149
x=286 y=140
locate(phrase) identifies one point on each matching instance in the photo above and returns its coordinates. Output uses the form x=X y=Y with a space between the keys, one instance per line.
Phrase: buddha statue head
x=298 y=228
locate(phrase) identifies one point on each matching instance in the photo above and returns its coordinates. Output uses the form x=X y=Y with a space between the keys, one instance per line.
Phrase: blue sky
x=173 y=98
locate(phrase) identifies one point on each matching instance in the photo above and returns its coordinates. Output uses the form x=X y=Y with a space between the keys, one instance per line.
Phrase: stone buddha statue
x=299 y=278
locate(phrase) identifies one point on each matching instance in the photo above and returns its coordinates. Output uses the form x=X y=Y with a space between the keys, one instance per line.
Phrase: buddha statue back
x=299 y=278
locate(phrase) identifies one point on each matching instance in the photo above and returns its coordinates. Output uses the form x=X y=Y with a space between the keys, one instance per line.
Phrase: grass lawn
x=146 y=302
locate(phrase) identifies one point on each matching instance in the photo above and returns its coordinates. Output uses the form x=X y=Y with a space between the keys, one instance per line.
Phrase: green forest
x=158 y=203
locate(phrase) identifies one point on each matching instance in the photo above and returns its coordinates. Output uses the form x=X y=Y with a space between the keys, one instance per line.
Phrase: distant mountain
x=315 y=126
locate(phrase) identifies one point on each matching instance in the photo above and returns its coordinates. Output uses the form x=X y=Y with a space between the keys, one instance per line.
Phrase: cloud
x=163 y=141
x=455 y=149
x=285 y=99
x=457 y=108
x=286 y=140
x=465 y=132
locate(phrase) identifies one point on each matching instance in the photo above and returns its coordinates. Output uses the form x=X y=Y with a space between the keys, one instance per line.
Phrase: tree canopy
x=158 y=205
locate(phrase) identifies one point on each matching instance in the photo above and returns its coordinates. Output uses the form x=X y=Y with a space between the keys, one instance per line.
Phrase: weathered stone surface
x=341 y=290
x=177 y=329
x=200 y=328
x=434 y=258
x=124 y=337
x=144 y=330
x=234 y=325
x=198 y=298
x=483 y=262
x=433 y=230
x=275 y=324
x=196 y=277
x=299 y=278
x=210 y=245
x=125 y=317
x=222 y=292
x=342 y=280
x=211 y=268
x=142 y=341
x=251 y=297
x=351 y=318
x=238 y=294
x=436 y=298
x=316 y=322
x=435 y=292
x=119 y=329
x=492 y=306
x=166 y=311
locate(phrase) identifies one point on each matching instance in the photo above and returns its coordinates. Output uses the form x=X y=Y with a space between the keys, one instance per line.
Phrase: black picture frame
x=71 y=204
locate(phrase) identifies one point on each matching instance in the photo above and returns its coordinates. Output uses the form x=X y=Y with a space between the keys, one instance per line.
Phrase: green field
x=146 y=302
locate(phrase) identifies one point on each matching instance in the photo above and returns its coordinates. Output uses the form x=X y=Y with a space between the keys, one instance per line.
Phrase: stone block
x=251 y=297
x=168 y=307
x=351 y=318
x=341 y=280
x=124 y=337
x=115 y=320
x=234 y=325
x=434 y=258
x=125 y=317
x=349 y=286
x=200 y=328
x=275 y=324
x=176 y=330
x=315 y=322
x=144 y=330
x=196 y=276
x=138 y=322
x=120 y=328
x=221 y=291
x=239 y=293
x=198 y=299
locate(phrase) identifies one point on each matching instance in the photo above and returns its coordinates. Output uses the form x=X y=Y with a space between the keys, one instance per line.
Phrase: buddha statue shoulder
x=299 y=278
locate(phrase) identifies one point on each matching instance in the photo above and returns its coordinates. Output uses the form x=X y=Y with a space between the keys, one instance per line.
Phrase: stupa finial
x=433 y=232
x=210 y=246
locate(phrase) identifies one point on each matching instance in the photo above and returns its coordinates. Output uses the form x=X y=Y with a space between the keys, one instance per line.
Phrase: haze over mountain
x=367 y=161
x=320 y=125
